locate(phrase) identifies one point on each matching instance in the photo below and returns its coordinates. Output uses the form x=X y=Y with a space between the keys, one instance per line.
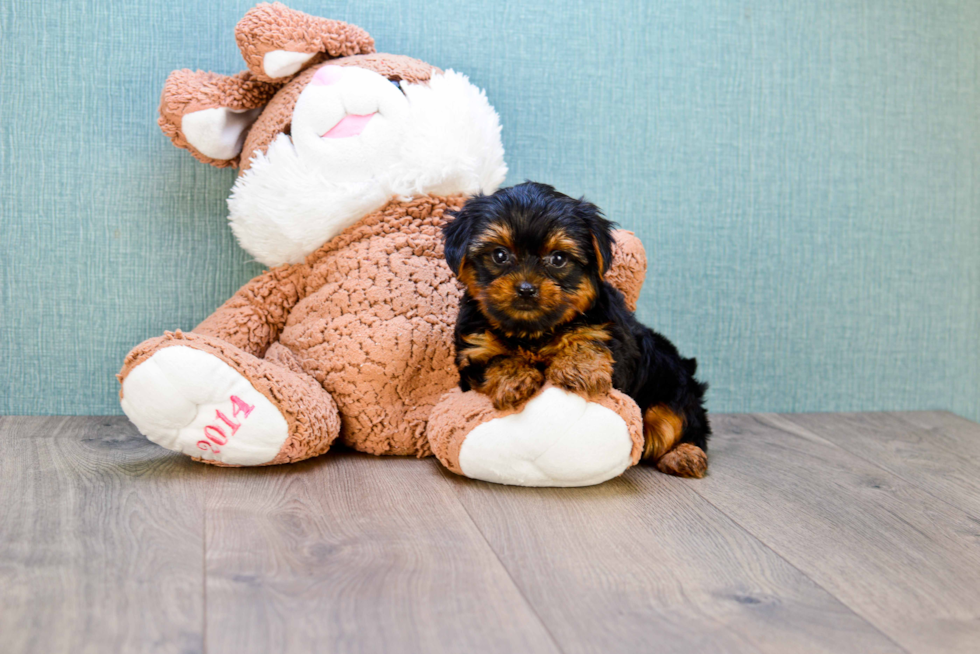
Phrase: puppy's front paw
x=511 y=382
x=587 y=372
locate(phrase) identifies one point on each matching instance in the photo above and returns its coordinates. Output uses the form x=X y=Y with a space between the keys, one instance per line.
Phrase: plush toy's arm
x=557 y=439
x=254 y=316
x=629 y=266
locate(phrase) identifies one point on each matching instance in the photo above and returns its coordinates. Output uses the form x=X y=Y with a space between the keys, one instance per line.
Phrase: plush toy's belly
x=378 y=335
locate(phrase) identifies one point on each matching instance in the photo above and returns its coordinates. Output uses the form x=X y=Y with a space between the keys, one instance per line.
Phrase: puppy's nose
x=527 y=289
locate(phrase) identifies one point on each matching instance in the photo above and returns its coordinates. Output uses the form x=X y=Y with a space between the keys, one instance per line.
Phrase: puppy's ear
x=600 y=231
x=457 y=237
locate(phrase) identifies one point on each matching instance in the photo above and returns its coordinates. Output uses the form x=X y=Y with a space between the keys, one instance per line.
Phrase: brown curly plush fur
x=355 y=343
x=368 y=317
x=267 y=27
x=187 y=91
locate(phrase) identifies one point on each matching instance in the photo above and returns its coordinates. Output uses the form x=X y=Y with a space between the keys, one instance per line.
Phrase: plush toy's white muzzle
x=348 y=122
x=357 y=141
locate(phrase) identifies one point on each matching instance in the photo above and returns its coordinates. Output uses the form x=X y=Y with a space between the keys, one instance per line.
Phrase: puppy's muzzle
x=526 y=290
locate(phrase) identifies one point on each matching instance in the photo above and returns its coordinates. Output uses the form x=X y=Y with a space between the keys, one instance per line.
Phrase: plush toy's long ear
x=209 y=114
x=277 y=42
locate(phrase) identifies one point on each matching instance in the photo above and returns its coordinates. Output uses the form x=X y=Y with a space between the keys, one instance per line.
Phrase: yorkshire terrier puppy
x=536 y=308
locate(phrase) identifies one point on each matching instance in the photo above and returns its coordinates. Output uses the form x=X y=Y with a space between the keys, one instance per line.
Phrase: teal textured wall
x=804 y=176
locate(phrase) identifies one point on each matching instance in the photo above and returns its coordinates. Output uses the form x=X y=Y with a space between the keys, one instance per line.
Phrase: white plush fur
x=439 y=138
x=218 y=132
x=282 y=63
x=558 y=439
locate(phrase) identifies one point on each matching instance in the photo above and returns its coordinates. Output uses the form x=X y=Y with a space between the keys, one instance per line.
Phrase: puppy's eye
x=558 y=259
x=500 y=256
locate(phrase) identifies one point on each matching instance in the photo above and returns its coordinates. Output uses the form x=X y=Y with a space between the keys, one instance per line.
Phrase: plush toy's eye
x=500 y=256
x=558 y=259
x=398 y=85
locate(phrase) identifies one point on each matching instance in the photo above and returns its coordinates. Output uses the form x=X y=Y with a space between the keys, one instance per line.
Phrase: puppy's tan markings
x=468 y=277
x=574 y=336
x=662 y=428
x=482 y=348
x=559 y=240
x=511 y=381
x=502 y=289
x=579 y=301
x=685 y=460
x=598 y=256
x=495 y=235
x=579 y=361
x=510 y=378
x=550 y=294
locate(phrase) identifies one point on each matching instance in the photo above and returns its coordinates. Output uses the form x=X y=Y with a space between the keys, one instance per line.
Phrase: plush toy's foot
x=557 y=438
x=209 y=400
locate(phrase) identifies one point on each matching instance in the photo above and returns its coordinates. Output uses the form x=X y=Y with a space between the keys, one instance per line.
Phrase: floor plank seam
x=764 y=544
x=97 y=546
x=642 y=468
x=496 y=557
x=817 y=584
x=882 y=466
x=767 y=419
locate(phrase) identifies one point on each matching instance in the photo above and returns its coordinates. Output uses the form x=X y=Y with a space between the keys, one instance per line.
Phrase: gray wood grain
x=101 y=540
x=939 y=453
x=906 y=562
x=837 y=533
x=948 y=431
x=353 y=553
x=641 y=563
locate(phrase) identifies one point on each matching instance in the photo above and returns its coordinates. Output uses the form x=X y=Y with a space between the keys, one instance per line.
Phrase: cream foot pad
x=193 y=402
x=559 y=439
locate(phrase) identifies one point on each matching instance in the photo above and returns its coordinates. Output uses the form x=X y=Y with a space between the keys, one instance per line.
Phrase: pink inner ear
x=327 y=75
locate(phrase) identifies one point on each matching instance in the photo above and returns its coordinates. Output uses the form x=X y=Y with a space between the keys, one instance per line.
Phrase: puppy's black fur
x=537 y=307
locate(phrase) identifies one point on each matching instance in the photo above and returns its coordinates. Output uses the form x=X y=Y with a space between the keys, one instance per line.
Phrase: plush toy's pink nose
x=327 y=75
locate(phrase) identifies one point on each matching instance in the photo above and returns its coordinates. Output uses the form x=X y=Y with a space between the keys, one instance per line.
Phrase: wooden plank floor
x=812 y=533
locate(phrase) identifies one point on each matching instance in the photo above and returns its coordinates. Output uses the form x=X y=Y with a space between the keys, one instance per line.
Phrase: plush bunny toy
x=349 y=164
